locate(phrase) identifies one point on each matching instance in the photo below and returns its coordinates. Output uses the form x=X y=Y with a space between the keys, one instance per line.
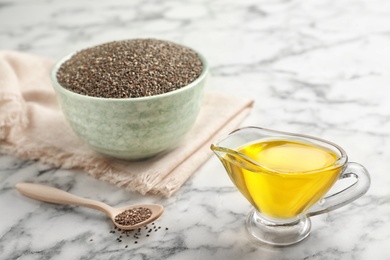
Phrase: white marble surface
x=314 y=67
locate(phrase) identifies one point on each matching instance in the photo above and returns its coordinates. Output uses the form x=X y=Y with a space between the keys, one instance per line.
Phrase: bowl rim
x=59 y=87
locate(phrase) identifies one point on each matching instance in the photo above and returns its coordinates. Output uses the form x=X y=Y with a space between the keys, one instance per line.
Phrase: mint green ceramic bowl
x=132 y=128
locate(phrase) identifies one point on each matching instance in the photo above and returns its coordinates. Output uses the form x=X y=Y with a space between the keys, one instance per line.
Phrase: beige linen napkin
x=32 y=127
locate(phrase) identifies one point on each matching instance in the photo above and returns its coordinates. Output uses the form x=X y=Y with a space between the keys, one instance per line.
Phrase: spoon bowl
x=135 y=215
x=156 y=211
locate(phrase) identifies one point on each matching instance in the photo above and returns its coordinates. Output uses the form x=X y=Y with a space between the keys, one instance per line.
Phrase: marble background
x=314 y=67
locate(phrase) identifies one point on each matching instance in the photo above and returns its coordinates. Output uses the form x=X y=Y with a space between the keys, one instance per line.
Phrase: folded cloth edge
x=168 y=188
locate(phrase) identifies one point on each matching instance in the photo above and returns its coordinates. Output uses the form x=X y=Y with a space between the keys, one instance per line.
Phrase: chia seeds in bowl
x=127 y=106
x=130 y=69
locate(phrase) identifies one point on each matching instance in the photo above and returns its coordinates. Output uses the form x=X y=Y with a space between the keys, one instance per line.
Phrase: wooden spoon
x=128 y=217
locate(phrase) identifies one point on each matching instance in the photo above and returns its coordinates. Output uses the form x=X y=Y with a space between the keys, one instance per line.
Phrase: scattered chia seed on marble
x=138 y=234
x=130 y=69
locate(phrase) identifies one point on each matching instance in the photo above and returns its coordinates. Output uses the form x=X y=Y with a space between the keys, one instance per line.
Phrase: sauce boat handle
x=347 y=195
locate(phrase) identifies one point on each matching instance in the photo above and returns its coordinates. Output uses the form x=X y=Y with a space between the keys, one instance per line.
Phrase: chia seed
x=134 y=216
x=137 y=236
x=130 y=69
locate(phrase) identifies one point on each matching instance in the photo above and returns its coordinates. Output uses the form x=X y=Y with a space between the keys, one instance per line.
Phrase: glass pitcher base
x=277 y=234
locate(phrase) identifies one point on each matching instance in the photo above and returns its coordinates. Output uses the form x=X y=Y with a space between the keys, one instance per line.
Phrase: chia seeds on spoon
x=134 y=216
x=130 y=69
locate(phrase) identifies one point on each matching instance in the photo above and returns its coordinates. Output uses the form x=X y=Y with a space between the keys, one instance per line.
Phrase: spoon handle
x=53 y=195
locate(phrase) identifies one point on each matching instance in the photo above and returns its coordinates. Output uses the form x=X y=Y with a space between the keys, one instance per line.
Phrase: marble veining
x=312 y=67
